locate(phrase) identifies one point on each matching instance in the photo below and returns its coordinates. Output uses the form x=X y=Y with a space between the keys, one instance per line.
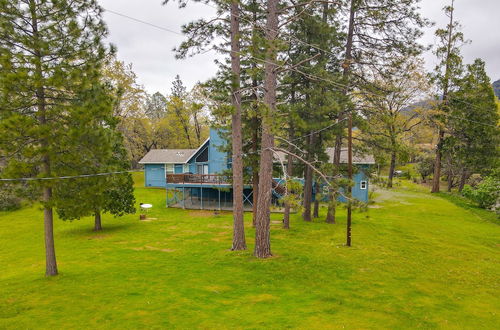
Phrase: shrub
x=8 y=200
x=406 y=175
x=486 y=194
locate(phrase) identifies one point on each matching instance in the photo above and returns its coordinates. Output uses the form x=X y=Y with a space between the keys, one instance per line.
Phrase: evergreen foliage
x=474 y=136
x=51 y=95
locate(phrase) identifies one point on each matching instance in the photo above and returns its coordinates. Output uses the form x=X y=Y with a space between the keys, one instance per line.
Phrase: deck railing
x=198 y=178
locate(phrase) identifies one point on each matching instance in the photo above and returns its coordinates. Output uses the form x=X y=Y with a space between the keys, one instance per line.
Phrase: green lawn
x=418 y=260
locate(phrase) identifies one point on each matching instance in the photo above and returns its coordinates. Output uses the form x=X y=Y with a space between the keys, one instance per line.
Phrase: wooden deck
x=187 y=178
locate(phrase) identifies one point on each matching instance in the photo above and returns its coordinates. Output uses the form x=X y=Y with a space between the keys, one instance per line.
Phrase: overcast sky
x=149 y=49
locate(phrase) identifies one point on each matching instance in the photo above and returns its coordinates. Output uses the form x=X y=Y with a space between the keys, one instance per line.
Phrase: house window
x=202 y=169
x=169 y=169
x=203 y=156
x=363 y=185
x=185 y=168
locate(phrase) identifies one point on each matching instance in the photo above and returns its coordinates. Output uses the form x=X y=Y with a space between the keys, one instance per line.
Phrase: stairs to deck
x=279 y=189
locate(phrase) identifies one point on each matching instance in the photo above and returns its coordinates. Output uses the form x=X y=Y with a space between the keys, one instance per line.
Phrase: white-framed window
x=169 y=169
x=185 y=168
x=363 y=185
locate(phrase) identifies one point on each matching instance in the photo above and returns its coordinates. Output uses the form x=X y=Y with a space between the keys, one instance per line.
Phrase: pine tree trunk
x=349 y=188
x=97 y=221
x=262 y=228
x=316 y=206
x=48 y=217
x=262 y=225
x=237 y=166
x=48 y=220
x=306 y=215
x=449 y=178
x=289 y=165
x=255 y=169
x=308 y=183
x=392 y=168
x=439 y=149
x=255 y=196
x=436 y=179
x=330 y=214
x=286 y=215
x=330 y=218
x=255 y=135
x=463 y=179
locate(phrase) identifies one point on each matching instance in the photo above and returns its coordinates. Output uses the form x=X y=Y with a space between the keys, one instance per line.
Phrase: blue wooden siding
x=178 y=169
x=217 y=159
x=218 y=162
x=357 y=192
x=193 y=163
x=154 y=175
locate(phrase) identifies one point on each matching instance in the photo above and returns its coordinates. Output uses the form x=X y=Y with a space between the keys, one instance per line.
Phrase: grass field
x=418 y=261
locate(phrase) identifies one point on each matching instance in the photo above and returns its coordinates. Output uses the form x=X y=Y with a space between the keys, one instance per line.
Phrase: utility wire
x=263 y=28
x=307 y=75
x=143 y=22
x=69 y=176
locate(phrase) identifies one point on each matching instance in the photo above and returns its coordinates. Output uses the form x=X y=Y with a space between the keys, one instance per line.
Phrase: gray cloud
x=150 y=49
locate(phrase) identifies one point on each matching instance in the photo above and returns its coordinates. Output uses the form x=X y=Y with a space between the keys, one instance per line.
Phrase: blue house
x=196 y=178
x=207 y=159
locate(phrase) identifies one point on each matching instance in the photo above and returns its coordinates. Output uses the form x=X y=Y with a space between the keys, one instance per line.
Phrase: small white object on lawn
x=146 y=206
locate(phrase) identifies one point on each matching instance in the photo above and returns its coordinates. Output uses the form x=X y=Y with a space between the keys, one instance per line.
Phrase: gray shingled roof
x=357 y=158
x=165 y=156
x=178 y=156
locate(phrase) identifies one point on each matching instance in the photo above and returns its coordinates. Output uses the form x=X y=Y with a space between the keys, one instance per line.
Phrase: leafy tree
x=390 y=116
x=156 y=106
x=425 y=165
x=177 y=106
x=128 y=107
x=377 y=34
x=130 y=95
x=198 y=111
x=51 y=53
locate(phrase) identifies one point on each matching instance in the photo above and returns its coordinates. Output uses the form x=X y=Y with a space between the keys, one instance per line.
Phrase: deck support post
x=219 y=198
x=183 y=197
x=201 y=197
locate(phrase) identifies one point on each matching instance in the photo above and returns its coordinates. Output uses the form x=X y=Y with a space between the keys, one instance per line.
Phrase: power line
x=263 y=28
x=143 y=22
x=68 y=176
x=307 y=75
x=254 y=24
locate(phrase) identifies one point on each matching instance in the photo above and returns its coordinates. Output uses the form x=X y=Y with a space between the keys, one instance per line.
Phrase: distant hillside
x=496 y=87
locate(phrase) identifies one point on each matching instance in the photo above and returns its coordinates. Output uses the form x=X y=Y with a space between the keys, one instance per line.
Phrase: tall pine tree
x=50 y=58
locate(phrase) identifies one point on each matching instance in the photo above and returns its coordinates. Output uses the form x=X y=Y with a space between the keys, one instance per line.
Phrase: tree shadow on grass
x=466 y=204
x=106 y=230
